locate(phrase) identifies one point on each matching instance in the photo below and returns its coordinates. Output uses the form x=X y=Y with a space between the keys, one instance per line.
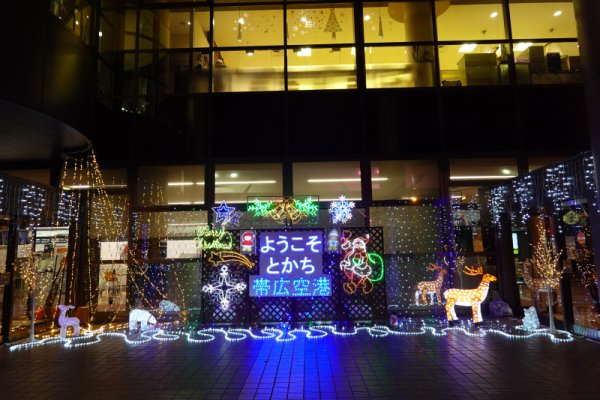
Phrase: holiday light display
x=287 y=209
x=225 y=215
x=223 y=288
x=214 y=239
x=141 y=319
x=316 y=332
x=341 y=210
x=229 y=257
x=166 y=306
x=468 y=297
x=431 y=287
x=531 y=321
x=66 y=322
x=358 y=265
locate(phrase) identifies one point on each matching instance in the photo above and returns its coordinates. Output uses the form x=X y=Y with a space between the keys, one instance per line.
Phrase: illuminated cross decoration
x=341 y=210
x=225 y=215
x=223 y=288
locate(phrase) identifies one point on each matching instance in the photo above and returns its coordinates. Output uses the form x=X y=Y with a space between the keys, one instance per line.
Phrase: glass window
x=329 y=23
x=399 y=66
x=321 y=68
x=199 y=76
x=117 y=30
x=541 y=162
x=248 y=26
x=174 y=28
x=548 y=63
x=404 y=180
x=399 y=21
x=328 y=180
x=248 y=70
x=123 y=68
x=542 y=19
x=470 y=20
x=146 y=29
x=201 y=27
x=174 y=73
x=483 y=169
x=235 y=183
x=172 y=185
x=472 y=64
x=34 y=175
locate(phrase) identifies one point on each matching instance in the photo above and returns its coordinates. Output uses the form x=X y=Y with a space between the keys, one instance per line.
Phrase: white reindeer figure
x=430 y=288
x=65 y=321
x=468 y=297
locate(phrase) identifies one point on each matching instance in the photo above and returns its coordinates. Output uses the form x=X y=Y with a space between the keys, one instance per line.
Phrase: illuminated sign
x=214 y=239
x=291 y=265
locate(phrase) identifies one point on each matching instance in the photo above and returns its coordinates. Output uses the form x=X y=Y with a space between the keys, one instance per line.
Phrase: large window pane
x=235 y=183
x=483 y=169
x=201 y=27
x=473 y=64
x=328 y=180
x=176 y=185
x=535 y=19
x=548 y=63
x=175 y=27
x=329 y=23
x=248 y=71
x=399 y=21
x=117 y=30
x=174 y=73
x=470 y=20
x=404 y=180
x=248 y=26
x=322 y=68
x=399 y=66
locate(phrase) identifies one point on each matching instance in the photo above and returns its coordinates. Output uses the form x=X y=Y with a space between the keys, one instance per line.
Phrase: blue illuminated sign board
x=291 y=265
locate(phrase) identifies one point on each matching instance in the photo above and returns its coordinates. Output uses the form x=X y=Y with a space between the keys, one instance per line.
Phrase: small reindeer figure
x=65 y=321
x=468 y=297
x=431 y=287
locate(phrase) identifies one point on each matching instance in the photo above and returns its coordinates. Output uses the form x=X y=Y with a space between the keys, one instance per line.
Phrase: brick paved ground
x=451 y=367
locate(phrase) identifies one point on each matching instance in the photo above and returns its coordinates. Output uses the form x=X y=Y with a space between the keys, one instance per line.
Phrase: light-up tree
x=29 y=273
x=546 y=260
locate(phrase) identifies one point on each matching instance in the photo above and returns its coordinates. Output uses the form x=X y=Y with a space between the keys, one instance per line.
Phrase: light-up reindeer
x=431 y=287
x=65 y=321
x=468 y=297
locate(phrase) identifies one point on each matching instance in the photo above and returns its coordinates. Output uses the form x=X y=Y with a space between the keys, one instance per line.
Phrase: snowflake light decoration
x=223 y=288
x=341 y=210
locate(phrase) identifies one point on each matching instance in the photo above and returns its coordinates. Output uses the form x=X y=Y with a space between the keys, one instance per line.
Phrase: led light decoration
x=1 y=194
x=431 y=287
x=223 y=289
x=358 y=265
x=229 y=257
x=247 y=242
x=341 y=210
x=214 y=239
x=287 y=209
x=468 y=297
x=225 y=215
x=65 y=321
x=531 y=321
x=141 y=319
x=168 y=306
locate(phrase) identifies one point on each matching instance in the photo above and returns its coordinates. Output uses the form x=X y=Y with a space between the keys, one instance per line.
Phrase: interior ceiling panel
x=27 y=135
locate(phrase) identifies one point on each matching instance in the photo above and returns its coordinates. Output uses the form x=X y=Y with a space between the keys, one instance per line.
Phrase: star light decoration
x=223 y=288
x=225 y=215
x=341 y=210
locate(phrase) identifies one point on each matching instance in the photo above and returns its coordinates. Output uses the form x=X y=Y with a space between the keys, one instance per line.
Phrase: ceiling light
x=467 y=48
x=245 y=182
x=179 y=203
x=249 y=52
x=506 y=171
x=480 y=177
x=522 y=46
x=241 y=21
x=334 y=180
x=303 y=19
x=367 y=17
x=100 y=33
x=180 y=183
x=233 y=175
x=304 y=52
x=557 y=13
x=494 y=14
x=413 y=198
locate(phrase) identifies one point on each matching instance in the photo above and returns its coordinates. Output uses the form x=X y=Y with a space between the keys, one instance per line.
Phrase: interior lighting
x=557 y=13
x=522 y=46
x=249 y=53
x=304 y=52
x=180 y=183
x=506 y=171
x=494 y=14
x=233 y=175
x=265 y=182
x=367 y=17
x=179 y=203
x=467 y=48
x=100 y=33
x=476 y=177
x=340 y=180
x=413 y=199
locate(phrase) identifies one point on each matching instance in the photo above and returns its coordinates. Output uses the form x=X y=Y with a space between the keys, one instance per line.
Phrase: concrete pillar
x=587 y=13
x=418 y=27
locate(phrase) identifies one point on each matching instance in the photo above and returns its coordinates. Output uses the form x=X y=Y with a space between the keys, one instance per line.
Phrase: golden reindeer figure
x=468 y=297
x=430 y=287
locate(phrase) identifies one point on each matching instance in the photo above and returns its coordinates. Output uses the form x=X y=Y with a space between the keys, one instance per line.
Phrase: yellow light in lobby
x=467 y=48
x=557 y=13
x=522 y=46
x=367 y=17
x=304 y=52
x=494 y=14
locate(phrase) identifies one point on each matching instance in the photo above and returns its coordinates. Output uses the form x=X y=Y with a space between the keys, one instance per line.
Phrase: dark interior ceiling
x=27 y=135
